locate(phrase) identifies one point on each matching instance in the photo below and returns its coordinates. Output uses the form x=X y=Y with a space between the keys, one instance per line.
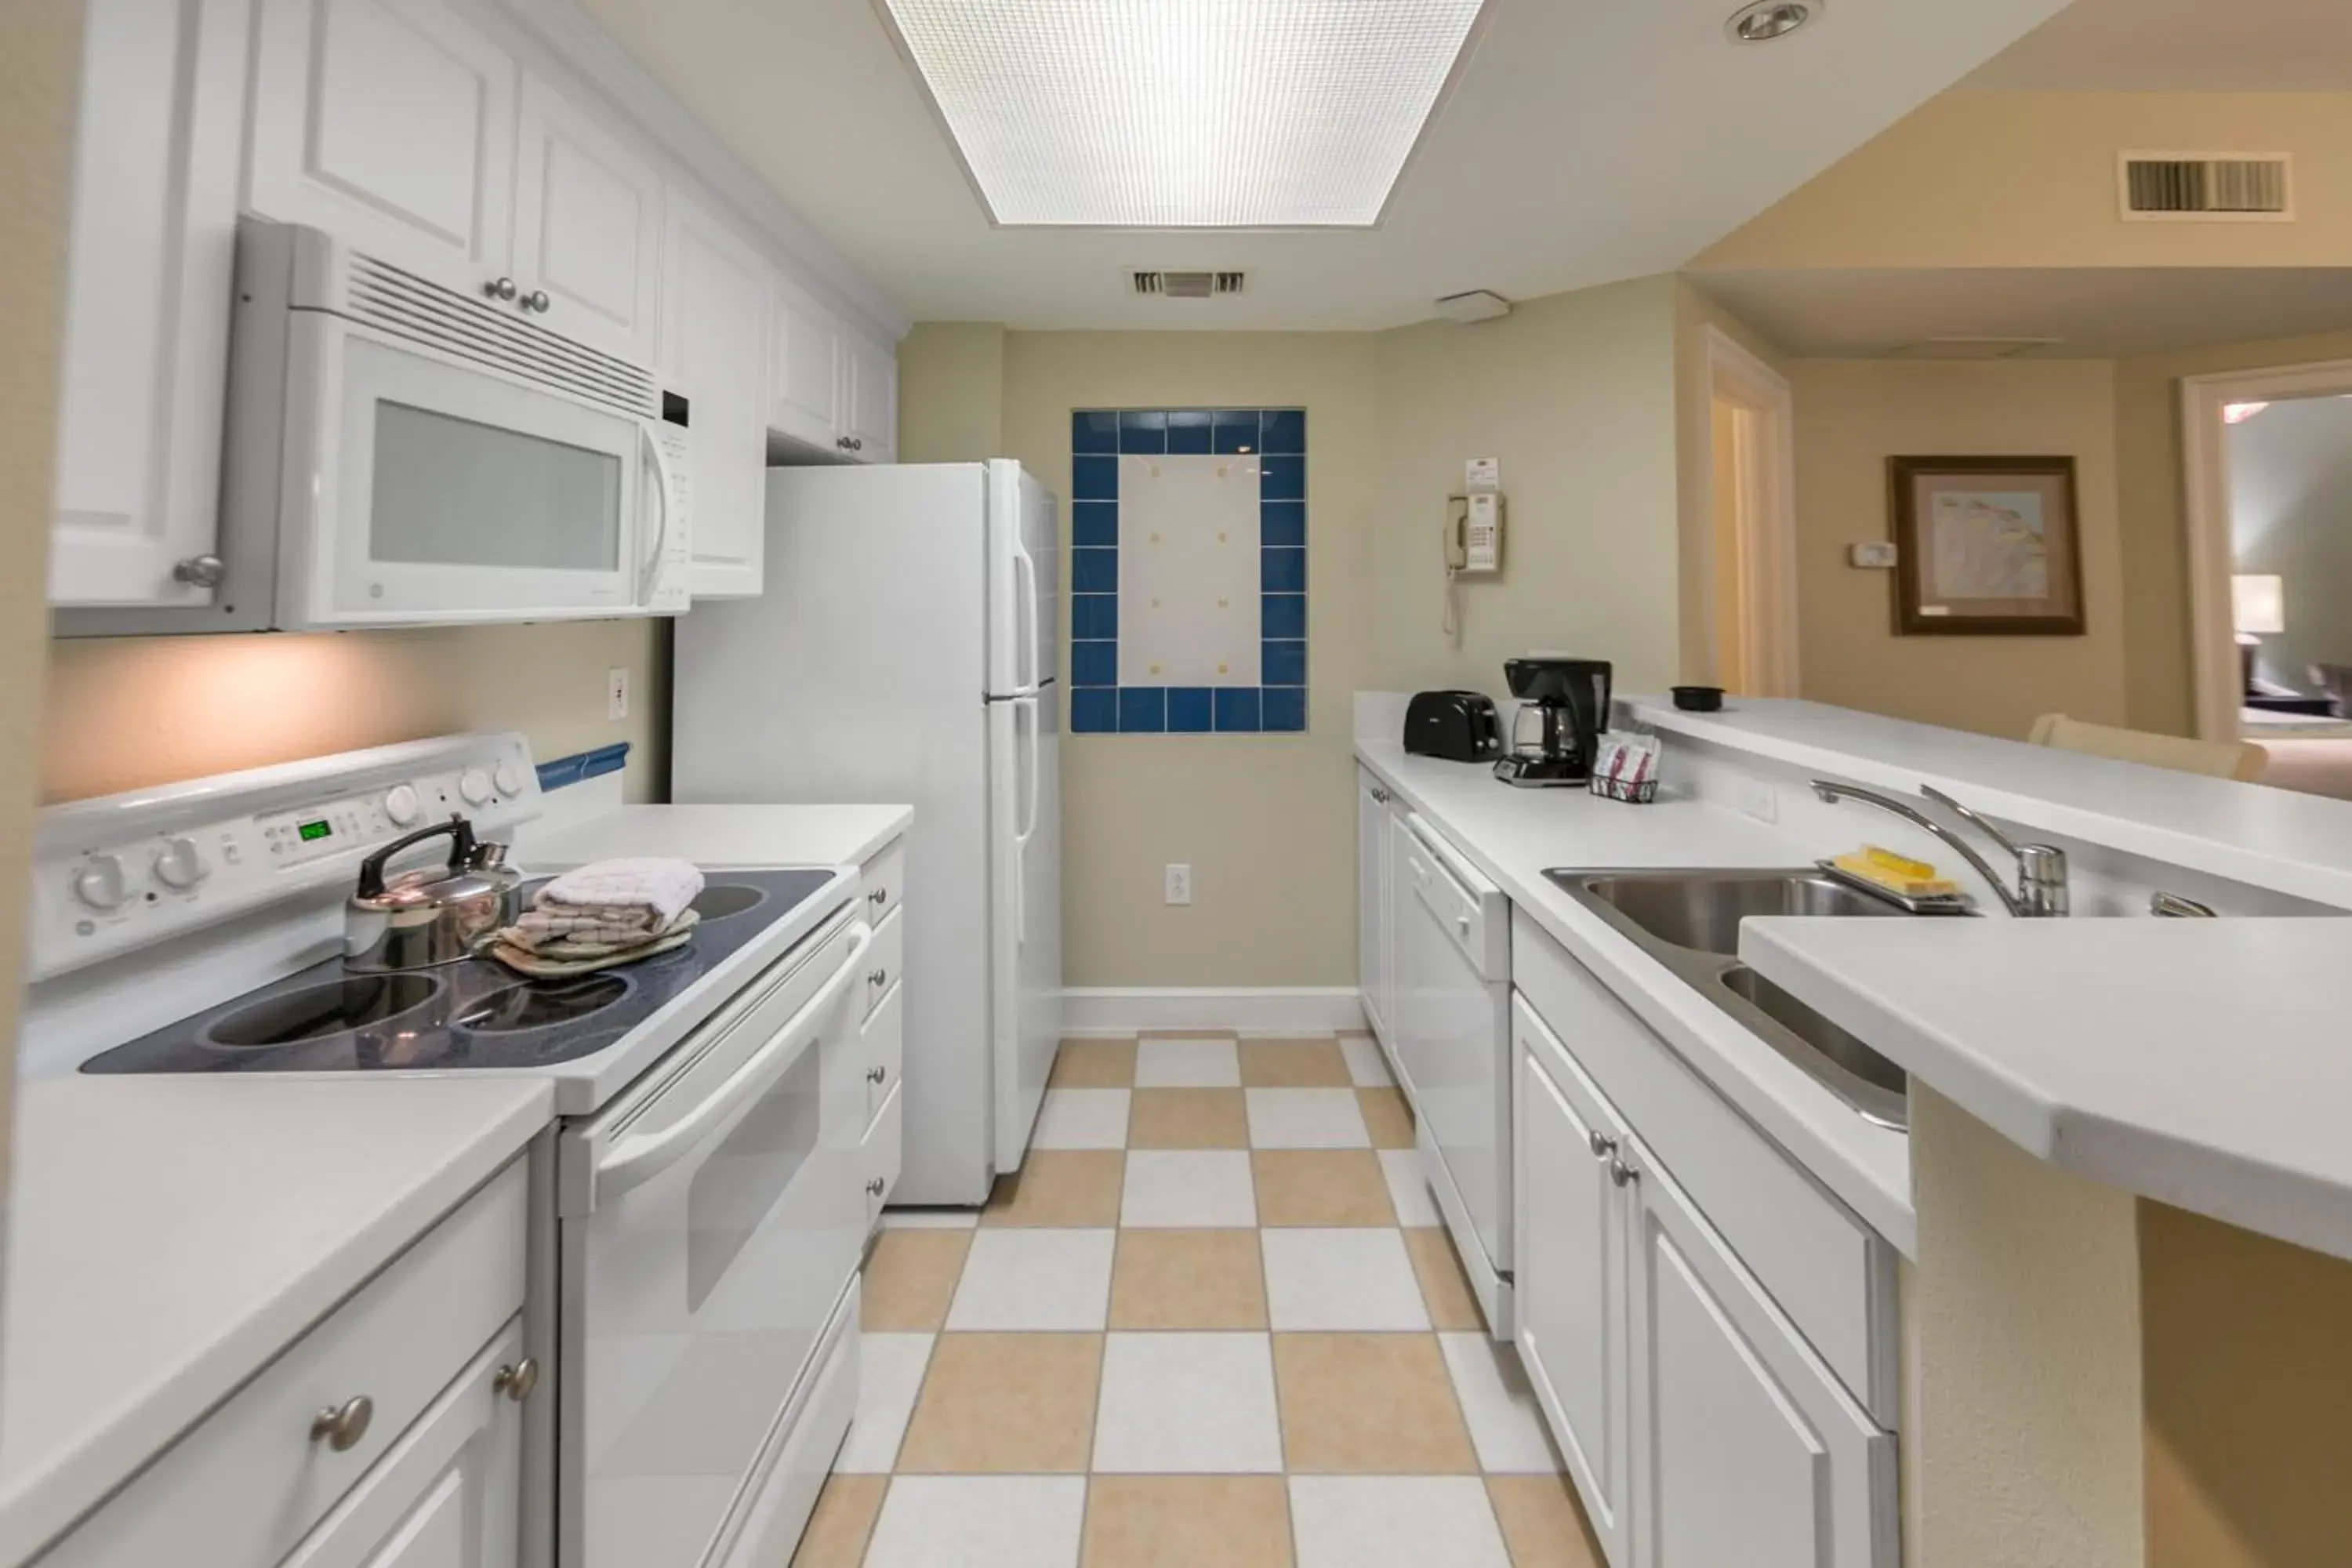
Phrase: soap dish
x=1938 y=905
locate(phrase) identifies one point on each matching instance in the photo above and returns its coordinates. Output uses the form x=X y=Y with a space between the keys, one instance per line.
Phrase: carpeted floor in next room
x=1213 y=1323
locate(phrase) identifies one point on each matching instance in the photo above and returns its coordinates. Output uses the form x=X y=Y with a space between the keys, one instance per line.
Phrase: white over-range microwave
x=402 y=454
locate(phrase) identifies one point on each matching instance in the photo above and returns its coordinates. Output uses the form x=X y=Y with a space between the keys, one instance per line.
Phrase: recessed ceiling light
x=1765 y=20
x=1184 y=113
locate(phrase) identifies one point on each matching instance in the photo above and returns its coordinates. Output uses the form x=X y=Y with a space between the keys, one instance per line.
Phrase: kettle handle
x=461 y=853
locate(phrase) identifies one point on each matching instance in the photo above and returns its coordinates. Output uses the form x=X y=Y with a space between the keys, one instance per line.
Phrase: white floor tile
x=929 y=1219
x=1191 y=1189
x=1016 y=1280
x=1082 y=1118
x=1199 y=1404
x=1409 y=1189
x=1306 y=1119
x=1393 y=1521
x=890 y=1375
x=1343 y=1280
x=1188 y=1064
x=1504 y=1425
x=979 y=1522
x=1366 y=1068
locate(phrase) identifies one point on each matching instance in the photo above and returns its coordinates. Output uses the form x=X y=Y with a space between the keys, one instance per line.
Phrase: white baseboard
x=1300 y=1010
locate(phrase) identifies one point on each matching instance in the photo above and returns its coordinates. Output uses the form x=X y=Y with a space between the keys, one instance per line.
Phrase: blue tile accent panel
x=1188 y=430
x=1094 y=430
x=1142 y=710
x=1282 y=478
x=1282 y=571
x=1236 y=431
x=1282 y=663
x=1190 y=710
x=1282 y=615
x=1283 y=430
x=1093 y=478
x=1282 y=522
x=1096 y=571
x=1094 y=710
x=1286 y=710
x=1097 y=522
x=1094 y=616
x=1094 y=664
x=1237 y=710
x=1143 y=430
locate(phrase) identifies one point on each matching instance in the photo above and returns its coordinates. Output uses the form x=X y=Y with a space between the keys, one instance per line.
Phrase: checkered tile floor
x=1213 y=1324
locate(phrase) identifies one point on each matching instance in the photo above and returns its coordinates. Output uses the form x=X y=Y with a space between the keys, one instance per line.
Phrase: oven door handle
x=637 y=1159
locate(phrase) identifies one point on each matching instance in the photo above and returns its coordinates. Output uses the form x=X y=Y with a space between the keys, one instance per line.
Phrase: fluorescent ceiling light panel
x=1184 y=113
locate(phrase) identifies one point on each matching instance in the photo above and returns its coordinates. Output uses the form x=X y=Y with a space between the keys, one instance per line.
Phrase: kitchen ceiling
x=2182 y=46
x=1584 y=140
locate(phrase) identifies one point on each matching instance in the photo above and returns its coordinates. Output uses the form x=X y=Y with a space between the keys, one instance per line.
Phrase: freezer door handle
x=1024 y=651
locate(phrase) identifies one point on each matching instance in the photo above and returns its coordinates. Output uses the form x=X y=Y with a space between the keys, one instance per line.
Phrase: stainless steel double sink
x=1690 y=922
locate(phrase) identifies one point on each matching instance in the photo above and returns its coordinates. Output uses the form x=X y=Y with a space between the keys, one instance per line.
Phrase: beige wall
x=951 y=393
x=1851 y=416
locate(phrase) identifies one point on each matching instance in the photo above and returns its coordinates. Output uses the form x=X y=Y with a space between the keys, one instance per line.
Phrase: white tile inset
x=1408 y=1188
x=1306 y=1119
x=1185 y=1403
x=1340 y=1281
x=1082 y=1118
x=979 y=1522
x=1017 y=1280
x=1366 y=1068
x=1393 y=1521
x=890 y=1375
x=929 y=1219
x=1505 y=1426
x=1189 y=1189
x=1187 y=1064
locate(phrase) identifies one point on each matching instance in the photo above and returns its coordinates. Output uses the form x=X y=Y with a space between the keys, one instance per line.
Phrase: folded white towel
x=545 y=927
x=645 y=893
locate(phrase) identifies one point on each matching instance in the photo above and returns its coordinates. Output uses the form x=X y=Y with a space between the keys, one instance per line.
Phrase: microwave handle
x=649 y=569
x=637 y=1159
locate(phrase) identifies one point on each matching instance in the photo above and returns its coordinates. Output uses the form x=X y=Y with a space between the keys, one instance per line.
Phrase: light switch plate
x=1758 y=800
x=616 y=693
x=1179 y=884
x=1878 y=555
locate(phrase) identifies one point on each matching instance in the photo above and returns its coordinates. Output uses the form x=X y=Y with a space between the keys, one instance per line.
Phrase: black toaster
x=1459 y=726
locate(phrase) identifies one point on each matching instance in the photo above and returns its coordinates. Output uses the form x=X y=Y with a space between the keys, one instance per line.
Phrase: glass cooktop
x=475 y=1014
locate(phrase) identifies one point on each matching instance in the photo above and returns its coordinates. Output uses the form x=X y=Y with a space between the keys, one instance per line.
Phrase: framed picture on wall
x=1985 y=546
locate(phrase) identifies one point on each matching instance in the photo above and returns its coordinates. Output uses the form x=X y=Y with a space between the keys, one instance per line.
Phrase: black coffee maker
x=1570 y=699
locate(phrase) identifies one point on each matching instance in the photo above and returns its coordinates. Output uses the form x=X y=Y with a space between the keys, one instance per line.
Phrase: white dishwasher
x=1453 y=1029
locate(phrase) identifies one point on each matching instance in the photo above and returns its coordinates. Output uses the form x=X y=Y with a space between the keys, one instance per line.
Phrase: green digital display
x=313 y=831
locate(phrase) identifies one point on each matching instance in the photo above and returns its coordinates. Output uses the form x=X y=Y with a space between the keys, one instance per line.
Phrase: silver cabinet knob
x=879 y=897
x=537 y=299
x=875 y=1187
x=875 y=1075
x=516 y=1382
x=842 y=442
x=1602 y=1144
x=1621 y=1172
x=1461 y=924
x=199 y=571
x=858 y=443
x=342 y=1425
x=878 y=977
x=501 y=288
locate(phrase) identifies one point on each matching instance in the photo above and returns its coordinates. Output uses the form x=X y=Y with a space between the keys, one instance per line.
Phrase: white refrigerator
x=905 y=651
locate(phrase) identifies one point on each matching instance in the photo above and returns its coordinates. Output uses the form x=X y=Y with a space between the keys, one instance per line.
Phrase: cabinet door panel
x=714 y=350
x=588 y=226
x=872 y=398
x=807 y=377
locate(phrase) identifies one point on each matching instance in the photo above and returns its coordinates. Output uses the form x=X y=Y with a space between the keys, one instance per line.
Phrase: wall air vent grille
x=496 y=338
x=2210 y=188
x=1187 y=285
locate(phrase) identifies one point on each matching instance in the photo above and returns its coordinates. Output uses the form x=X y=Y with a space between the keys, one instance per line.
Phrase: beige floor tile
x=1386 y=1115
x=1187 y=1521
x=1294 y=1064
x=1368 y=1405
x=1006 y=1403
x=911 y=1277
x=836 y=1532
x=1187 y=1118
x=1093 y=1064
x=1070 y=1187
x=1543 y=1523
x=1320 y=1187
x=1442 y=1284
x=1188 y=1279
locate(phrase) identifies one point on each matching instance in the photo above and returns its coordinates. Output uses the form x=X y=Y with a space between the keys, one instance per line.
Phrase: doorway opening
x=1752 y=506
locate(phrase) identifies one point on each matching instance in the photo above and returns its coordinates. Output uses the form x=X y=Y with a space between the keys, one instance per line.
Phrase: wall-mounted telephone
x=1475 y=539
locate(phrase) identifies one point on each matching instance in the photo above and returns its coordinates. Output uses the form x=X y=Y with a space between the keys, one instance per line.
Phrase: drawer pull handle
x=875 y=1075
x=516 y=1382
x=877 y=977
x=1602 y=1144
x=1621 y=1172
x=342 y=1425
x=879 y=897
x=875 y=1187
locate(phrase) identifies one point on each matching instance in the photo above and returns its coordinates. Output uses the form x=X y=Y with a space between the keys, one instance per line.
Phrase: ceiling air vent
x=1187 y=285
x=2207 y=187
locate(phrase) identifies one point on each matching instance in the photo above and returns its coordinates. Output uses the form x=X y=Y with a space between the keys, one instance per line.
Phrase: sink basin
x=1702 y=910
x=1842 y=1061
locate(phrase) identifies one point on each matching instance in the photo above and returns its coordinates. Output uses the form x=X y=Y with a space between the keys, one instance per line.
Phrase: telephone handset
x=1475 y=539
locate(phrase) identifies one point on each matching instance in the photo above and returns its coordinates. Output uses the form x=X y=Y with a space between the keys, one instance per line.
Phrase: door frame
x=2216 y=682
x=1766 y=505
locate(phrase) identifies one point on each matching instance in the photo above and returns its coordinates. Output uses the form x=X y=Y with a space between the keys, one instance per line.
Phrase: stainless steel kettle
x=434 y=914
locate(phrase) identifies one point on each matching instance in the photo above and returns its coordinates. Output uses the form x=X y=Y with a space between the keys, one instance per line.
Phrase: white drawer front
x=879 y=1155
x=1830 y=1272
x=250 y=1480
x=881 y=1048
x=881 y=961
x=884 y=881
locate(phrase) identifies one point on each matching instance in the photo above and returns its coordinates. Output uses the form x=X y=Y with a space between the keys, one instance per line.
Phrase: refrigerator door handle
x=1037 y=755
x=1024 y=652
x=1024 y=709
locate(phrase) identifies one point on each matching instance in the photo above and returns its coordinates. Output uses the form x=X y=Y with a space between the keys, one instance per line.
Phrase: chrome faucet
x=2041 y=868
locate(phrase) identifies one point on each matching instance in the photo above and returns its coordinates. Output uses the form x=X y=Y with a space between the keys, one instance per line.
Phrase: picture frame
x=1985 y=546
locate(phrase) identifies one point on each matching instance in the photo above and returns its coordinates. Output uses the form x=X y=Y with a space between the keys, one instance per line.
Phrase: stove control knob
x=510 y=778
x=180 y=865
x=475 y=785
x=99 y=882
x=401 y=805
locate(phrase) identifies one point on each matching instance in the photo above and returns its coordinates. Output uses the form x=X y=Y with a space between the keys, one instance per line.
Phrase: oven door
x=419 y=488
x=712 y=1218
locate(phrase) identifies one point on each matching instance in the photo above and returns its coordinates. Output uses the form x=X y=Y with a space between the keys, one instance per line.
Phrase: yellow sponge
x=1896 y=873
x=1901 y=865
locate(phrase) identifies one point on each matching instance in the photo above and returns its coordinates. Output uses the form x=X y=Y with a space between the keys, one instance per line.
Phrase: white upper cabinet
x=390 y=124
x=587 y=227
x=806 y=379
x=149 y=267
x=870 y=400
x=714 y=350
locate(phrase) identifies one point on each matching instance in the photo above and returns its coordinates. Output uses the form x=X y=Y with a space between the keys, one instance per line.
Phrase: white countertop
x=741 y=836
x=169 y=1236
x=1512 y=835
x=2204 y=1063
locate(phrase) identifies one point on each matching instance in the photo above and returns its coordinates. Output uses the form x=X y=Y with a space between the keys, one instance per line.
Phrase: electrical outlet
x=1179 y=884
x=616 y=694
x=1758 y=800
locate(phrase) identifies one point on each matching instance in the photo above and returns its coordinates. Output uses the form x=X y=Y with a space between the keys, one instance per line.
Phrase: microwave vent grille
x=494 y=337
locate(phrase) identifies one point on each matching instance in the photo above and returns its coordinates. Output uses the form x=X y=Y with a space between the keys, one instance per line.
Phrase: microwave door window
x=454 y=492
